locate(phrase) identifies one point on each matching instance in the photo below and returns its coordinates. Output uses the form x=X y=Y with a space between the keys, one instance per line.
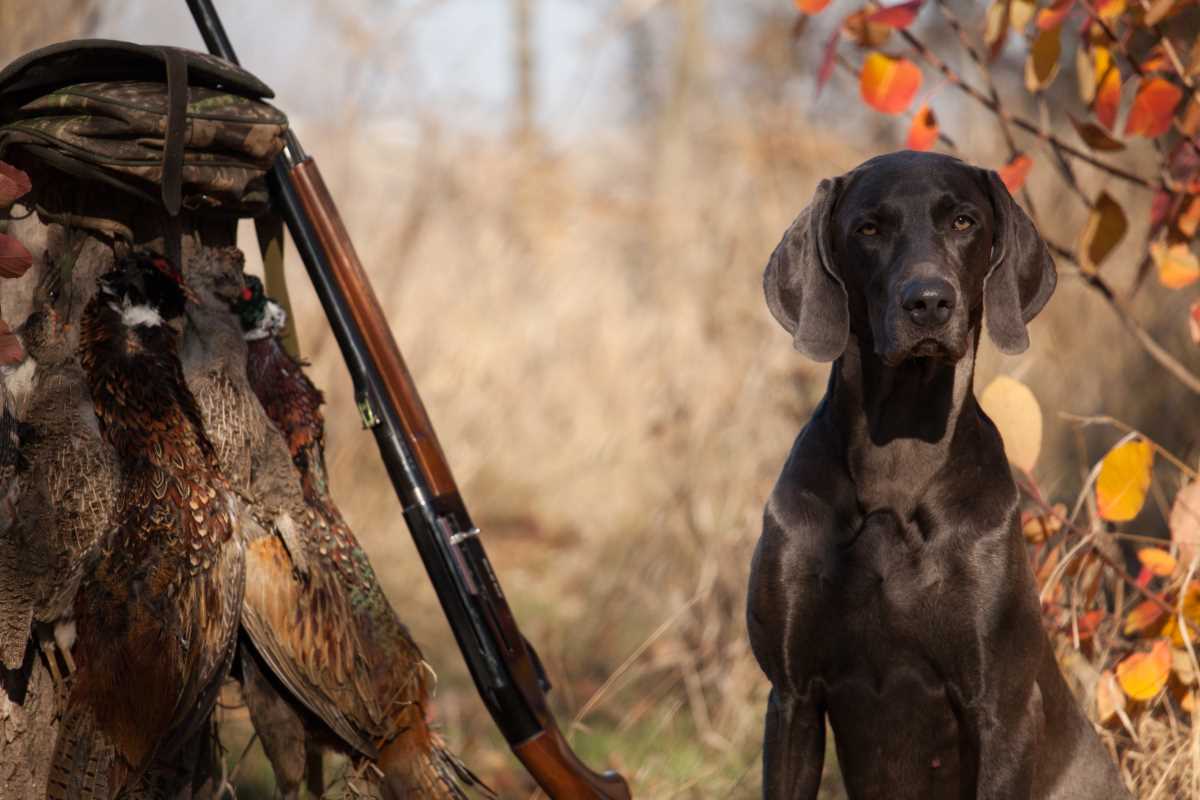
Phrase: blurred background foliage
x=566 y=206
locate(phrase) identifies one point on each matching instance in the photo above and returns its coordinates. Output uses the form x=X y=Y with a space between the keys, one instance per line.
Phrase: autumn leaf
x=1088 y=623
x=1104 y=230
x=1053 y=15
x=1014 y=173
x=1188 y=703
x=1106 y=97
x=1185 y=519
x=995 y=29
x=923 y=132
x=1143 y=618
x=1194 y=321
x=14 y=258
x=1183 y=667
x=1020 y=12
x=1109 y=698
x=889 y=84
x=858 y=28
x=1109 y=10
x=1191 y=614
x=1123 y=481
x=1189 y=220
x=811 y=6
x=1015 y=411
x=899 y=16
x=14 y=184
x=1041 y=66
x=1177 y=264
x=1158 y=561
x=1094 y=136
x=1153 y=108
x=1143 y=675
x=828 y=58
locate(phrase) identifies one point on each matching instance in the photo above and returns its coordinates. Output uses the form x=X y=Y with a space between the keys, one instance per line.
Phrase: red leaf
x=889 y=84
x=1153 y=108
x=898 y=16
x=14 y=258
x=1194 y=321
x=828 y=57
x=924 y=130
x=1160 y=207
x=14 y=183
x=1015 y=172
x=1108 y=87
x=1054 y=15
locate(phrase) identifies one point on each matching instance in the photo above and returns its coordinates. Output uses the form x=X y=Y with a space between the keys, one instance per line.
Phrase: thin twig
x=1104 y=419
x=998 y=109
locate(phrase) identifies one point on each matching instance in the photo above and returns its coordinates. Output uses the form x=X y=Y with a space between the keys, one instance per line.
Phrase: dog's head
x=907 y=250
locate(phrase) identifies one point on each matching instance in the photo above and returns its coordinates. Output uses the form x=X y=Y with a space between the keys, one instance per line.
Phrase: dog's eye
x=868 y=229
x=962 y=222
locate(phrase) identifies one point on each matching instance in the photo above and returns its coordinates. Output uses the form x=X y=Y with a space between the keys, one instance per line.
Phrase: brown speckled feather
x=414 y=761
x=158 y=604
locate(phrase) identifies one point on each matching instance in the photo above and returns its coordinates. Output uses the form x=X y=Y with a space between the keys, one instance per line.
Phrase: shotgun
x=504 y=666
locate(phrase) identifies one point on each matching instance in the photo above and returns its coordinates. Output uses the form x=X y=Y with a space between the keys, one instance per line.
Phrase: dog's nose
x=928 y=301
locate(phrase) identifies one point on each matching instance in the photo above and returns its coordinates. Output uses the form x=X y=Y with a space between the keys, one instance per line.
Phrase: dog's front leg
x=793 y=748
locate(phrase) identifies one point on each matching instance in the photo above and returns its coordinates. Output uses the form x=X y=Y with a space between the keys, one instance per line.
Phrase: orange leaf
x=1104 y=230
x=1142 y=618
x=1143 y=675
x=1015 y=172
x=1123 y=481
x=1106 y=98
x=889 y=84
x=1188 y=703
x=898 y=16
x=1189 y=220
x=811 y=6
x=1088 y=623
x=1109 y=10
x=1158 y=561
x=1153 y=108
x=1194 y=321
x=924 y=129
x=1177 y=264
x=1053 y=16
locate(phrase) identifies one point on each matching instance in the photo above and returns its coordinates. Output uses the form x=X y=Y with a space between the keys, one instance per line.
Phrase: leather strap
x=176 y=133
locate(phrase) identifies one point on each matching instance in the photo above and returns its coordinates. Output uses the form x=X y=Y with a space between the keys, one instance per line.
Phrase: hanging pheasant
x=67 y=494
x=387 y=671
x=158 y=603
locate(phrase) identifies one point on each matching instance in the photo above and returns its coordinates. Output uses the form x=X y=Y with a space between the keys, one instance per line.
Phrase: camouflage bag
x=185 y=131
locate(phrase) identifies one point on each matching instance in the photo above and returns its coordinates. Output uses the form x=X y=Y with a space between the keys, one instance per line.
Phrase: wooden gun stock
x=556 y=768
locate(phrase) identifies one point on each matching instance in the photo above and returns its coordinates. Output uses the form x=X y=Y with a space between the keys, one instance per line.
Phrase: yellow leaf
x=1142 y=618
x=1109 y=698
x=1105 y=229
x=1020 y=12
x=1188 y=703
x=1158 y=561
x=1182 y=666
x=1041 y=65
x=1185 y=521
x=1177 y=264
x=1123 y=481
x=1015 y=411
x=1143 y=675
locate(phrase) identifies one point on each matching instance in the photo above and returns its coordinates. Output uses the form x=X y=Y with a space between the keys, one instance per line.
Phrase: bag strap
x=176 y=135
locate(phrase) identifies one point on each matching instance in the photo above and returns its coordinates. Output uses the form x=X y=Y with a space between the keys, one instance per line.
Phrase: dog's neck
x=899 y=418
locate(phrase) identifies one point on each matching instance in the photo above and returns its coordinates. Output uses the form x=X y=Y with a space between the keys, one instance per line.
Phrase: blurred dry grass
x=616 y=403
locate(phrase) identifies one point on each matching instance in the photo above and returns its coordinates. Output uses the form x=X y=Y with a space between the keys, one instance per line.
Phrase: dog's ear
x=1021 y=277
x=804 y=290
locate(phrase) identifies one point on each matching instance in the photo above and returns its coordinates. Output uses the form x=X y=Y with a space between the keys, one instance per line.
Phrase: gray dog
x=891 y=591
